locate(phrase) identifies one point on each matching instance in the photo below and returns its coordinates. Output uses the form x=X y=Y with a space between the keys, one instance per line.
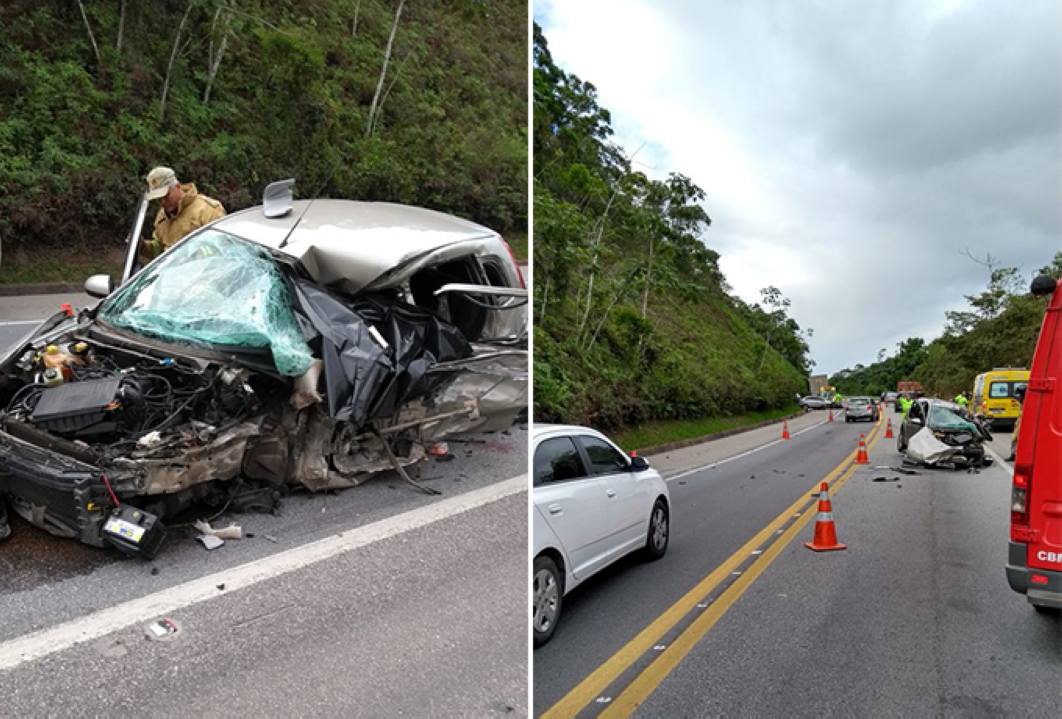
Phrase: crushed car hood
x=360 y=244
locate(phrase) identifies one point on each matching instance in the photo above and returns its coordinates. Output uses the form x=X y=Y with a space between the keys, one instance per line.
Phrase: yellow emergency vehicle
x=993 y=395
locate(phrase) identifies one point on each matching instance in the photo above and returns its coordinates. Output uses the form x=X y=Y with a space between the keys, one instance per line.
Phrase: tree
x=169 y=66
x=772 y=297
x=370 y=124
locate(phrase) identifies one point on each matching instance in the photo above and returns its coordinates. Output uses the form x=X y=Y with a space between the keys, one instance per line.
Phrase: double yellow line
x=649 y=679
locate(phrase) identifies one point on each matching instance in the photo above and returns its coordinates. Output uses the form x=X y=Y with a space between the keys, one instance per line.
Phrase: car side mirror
x=639 y=464
x=99 y=286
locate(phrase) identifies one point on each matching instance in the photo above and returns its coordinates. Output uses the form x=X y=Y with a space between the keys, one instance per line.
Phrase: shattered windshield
x=213 y=290
x=941 y=417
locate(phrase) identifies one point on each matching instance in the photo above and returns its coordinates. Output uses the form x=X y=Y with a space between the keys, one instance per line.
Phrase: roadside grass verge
x=36 y=269
x=651 y=434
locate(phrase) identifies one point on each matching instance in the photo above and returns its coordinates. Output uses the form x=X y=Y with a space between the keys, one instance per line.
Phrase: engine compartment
x=111 y=401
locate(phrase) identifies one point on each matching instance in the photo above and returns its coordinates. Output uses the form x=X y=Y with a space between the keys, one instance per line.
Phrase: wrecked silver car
x=939 y=433
x=307 y=343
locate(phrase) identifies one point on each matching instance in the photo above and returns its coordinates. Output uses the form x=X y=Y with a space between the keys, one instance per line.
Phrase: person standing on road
x=183 y=210
x=905 y=404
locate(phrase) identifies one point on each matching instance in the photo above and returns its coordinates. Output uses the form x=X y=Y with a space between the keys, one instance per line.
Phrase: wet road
x=915 y=618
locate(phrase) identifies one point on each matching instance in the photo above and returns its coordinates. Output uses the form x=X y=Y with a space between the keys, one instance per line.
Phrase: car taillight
x=1019 y=505
x=1018 y=498
x=1038 y=579
x=516 y=265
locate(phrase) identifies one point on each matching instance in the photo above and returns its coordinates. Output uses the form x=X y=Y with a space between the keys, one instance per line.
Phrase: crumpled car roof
x=356 y=242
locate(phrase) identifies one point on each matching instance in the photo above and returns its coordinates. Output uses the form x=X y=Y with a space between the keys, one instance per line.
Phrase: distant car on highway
x=592 y=505
x=1034 y=556
x=860 y=408
x=890 y=397
x=813 y=402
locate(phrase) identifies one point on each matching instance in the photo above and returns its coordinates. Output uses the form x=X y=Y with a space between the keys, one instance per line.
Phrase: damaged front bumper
x=53 y=491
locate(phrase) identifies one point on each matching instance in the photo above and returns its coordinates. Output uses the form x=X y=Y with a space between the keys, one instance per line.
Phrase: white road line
x=43 y=642
x=746 y=453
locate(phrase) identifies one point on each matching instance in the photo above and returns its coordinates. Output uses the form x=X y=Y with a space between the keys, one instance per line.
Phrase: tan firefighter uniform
x=193 y=211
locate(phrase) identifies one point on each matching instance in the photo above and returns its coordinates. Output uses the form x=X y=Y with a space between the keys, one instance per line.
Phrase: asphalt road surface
x=363 y=602
x=914 y=618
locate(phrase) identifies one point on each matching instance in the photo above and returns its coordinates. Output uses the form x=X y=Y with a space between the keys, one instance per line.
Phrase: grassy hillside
x=256 y=91
x=634 y=322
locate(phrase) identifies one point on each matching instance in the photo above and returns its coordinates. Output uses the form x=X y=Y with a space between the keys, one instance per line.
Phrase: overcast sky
x=849 y=150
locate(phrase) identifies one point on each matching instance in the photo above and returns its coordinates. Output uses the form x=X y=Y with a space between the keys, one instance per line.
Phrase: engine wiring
x=146 y=400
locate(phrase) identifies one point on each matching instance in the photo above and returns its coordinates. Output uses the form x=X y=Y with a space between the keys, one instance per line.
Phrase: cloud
x=850 y=151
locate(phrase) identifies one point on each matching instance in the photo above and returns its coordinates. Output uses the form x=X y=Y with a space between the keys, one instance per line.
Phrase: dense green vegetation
x=236 y=93
x=997 y=329
x=633 y=318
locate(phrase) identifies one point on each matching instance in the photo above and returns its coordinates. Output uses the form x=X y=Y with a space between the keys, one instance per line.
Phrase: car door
x=627 y=497
x=574 y=504
x=908 y=428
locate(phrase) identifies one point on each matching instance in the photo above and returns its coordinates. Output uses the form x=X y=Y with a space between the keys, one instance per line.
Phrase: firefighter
x=182 y=209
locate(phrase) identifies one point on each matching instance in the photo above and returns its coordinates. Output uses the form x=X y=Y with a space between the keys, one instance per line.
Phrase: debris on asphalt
x=233 y=531
x=271 y=538
x=438 y=449
x=210 y=541
x=221 y=586
x=154 y=571
x=885 y=479
x=904 y=470
x=161 y=629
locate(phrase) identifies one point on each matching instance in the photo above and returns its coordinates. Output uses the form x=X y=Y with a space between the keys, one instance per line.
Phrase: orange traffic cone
x=888 y=429
x=785 y=429
x=825 y=539
x=829 y=417
x=861 y=454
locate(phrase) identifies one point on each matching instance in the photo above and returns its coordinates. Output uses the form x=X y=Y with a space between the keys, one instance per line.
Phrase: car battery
x=134 y=531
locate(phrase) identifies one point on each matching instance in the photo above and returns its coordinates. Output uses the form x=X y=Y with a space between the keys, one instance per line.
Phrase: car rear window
x=557 y=459
x=1000 y=390
x=604 y=459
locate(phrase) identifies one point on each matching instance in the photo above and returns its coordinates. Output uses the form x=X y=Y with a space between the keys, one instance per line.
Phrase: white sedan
x=593 y=505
